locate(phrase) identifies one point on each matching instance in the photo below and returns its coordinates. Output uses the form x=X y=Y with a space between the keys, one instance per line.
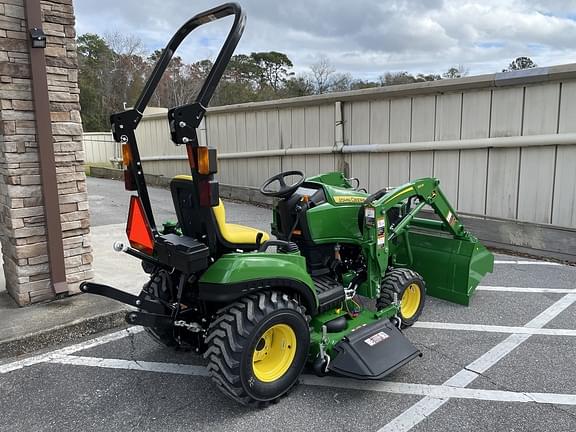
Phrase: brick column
x=22 y=221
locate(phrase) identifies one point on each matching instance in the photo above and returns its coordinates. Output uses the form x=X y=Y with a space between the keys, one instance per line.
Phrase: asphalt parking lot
x=505 y=363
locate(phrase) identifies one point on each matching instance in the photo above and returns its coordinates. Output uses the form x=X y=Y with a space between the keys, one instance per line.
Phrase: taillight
x=209 y=193
x=137 y=229
x=129 y=180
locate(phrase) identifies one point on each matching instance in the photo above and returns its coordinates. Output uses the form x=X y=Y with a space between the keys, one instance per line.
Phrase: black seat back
x=199 y=222
x=195 y=221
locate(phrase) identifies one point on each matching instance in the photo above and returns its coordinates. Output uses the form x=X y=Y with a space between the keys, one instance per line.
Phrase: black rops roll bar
x=186 y=118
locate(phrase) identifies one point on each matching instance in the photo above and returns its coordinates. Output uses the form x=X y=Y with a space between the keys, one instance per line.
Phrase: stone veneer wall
x=22 y=228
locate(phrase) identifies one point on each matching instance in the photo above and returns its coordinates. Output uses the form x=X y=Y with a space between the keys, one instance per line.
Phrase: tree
x=325 y=79
x=180 y=82
x=321 y=72
x=359 y=84
x=113 y=70
x=95 y=60
x=339 y=82
x=127 y=70
x=125 y=44
x=403 y=77
x=273 y=68
x=298 y=86
x=520 y=63
x=243 y=68
x=427 y=77
x=395 y=78
x=455 y=72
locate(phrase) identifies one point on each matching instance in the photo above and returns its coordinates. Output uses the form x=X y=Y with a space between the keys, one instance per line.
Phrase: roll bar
x=186 y=118
x=207 y=90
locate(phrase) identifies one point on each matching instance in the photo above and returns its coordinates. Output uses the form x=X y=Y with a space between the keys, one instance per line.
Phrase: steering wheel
x=285 y=189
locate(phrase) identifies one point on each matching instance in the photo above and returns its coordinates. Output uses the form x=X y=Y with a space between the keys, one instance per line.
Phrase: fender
x=237 y=274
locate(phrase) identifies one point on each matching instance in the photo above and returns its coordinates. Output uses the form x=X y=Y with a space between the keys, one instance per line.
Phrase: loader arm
x=451 y=260
x=428 y=191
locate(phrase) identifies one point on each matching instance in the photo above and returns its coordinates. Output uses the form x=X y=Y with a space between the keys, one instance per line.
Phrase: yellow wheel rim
x=410 y=301
x=274 y=353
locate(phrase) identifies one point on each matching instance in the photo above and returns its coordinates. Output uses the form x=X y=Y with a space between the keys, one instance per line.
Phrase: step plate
x=372 y=352
x=328 y=290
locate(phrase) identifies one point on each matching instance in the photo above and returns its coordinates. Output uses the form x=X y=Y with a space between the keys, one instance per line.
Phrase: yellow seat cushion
x=232 y=233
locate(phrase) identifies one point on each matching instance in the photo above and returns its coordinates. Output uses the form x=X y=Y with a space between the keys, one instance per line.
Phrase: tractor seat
x=233 y=233
x=231 y=236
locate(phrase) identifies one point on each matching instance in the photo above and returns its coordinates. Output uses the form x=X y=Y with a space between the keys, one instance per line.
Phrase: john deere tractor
x=346 y=271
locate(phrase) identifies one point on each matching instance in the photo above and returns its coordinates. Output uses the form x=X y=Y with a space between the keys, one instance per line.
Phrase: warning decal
x=376 y=339
x=369 y=215
x=451 y=218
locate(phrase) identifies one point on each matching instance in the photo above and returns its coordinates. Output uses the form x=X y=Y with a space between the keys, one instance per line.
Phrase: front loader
x=346 y=272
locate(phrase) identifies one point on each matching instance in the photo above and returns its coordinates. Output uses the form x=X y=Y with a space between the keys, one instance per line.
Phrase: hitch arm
x=122 y=296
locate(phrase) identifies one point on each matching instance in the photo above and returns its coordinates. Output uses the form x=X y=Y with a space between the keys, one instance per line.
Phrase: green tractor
x=347 y=270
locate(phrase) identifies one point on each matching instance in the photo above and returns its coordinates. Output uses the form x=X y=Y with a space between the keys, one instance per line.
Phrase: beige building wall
x=22 y=211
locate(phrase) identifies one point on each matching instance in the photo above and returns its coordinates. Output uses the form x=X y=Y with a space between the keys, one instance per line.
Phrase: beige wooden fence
x=503 y=145
x=99 y=147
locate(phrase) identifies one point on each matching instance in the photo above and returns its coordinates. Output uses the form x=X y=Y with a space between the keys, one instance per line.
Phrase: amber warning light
x=129 y=180
x=138 y=231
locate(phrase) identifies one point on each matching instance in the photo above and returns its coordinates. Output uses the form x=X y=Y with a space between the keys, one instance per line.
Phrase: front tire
x=257 y=348
x=409 y=288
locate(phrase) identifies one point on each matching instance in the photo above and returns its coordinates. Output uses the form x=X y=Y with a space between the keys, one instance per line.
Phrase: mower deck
x=373 y=351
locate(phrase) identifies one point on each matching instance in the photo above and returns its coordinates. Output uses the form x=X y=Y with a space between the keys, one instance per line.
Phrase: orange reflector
x=137 y=229
x=126 y=155
x=207 y=162
x=203 y=160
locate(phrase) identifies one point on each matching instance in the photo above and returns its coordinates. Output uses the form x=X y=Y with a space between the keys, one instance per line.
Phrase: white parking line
x=527 y=262
x=434 y=395
x=425 y=407
x=435 y=391
x=526 y=290
x=171 y=368
x=494 y=328
x=440 y=391
x=42 y=358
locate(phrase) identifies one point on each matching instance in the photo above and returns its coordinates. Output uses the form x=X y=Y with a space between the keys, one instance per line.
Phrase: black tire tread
x=228 y=333
x=393 y=284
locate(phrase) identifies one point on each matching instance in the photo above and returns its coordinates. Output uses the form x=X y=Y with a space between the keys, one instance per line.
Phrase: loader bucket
x=452 y=268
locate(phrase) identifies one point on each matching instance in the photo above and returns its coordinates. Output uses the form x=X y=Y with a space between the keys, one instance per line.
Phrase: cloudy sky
x=363 y=37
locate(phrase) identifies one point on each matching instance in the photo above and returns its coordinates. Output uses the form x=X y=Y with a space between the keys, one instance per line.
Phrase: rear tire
x=156 y=289
x=257 y=348
x=409 y=288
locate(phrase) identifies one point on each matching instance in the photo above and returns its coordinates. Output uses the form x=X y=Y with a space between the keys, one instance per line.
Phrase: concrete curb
x=61 y=334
